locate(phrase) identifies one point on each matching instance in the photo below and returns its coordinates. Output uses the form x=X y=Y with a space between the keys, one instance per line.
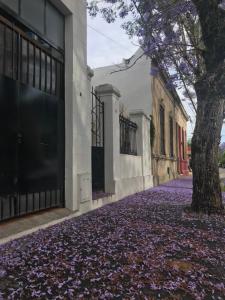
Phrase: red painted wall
x=182 y=152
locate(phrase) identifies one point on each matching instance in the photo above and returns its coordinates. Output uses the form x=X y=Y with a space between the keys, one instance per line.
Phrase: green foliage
x=222 y=159
x=223 y=188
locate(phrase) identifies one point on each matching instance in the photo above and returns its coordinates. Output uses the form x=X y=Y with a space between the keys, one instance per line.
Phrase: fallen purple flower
x=141 y=247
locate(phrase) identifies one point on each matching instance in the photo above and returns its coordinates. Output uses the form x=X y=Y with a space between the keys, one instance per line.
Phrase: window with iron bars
x=128 y=141
x=171 y=137
x=28 y=62
x=162 y=130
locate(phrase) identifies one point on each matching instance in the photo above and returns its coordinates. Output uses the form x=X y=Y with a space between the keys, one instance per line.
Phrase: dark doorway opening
x=98 y=165
x=31 y=124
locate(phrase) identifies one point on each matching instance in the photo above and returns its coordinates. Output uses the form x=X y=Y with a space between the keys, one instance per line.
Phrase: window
x=177 y=140
x=128 y=140
x=162 y=130
x=54 y=25
x=42 y=16
x=12 y=4
x=183 y=144
x=171 y=137
x=178 y=147
x=33 y=13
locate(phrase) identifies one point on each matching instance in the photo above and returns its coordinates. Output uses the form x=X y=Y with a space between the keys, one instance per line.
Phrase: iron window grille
x=171 y=137
x=162 y=130
x=128 y=140
x=183 y=144
x=40 y=16
x=177 y=143
x=28 y=62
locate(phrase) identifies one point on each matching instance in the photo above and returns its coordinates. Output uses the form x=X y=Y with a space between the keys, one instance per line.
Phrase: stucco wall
x=124 y=174
x=164 y=166
x=130 y=166
x=77 y=105
x=132 y=177
x=134 y=83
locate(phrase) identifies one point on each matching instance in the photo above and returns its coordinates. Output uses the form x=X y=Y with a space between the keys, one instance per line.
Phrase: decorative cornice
x=107 y=89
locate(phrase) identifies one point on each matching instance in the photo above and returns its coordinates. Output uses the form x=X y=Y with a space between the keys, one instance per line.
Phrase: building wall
x=130 y=166
x=77 y=106
x=133 y=83
x=136 y=171
x=124 y=174
x=77 y=94
x=165 y=167
x=141 y=91
x=120 y=178
x=132 y=178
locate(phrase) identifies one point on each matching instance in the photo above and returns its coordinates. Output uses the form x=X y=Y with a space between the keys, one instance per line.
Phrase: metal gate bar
x=98 y=164
x=11 y=206
x=23 y=59
x=97 y=114
x=28 y=64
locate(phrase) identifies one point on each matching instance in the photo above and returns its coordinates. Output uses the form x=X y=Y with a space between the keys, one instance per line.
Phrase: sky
x=108 y=44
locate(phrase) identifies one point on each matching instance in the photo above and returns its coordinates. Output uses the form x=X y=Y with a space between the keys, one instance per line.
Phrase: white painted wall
x=130 y=166
x=124 y=174
x=77 y=106
x=133 y=83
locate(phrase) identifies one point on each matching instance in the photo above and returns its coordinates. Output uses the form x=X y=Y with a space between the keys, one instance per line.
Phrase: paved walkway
x=16 y=227
x=142 y=247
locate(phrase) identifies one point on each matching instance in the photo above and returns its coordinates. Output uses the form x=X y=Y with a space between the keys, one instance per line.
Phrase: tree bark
x=207 y=197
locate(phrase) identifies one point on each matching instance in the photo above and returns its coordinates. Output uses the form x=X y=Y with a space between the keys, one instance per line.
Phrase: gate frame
x=98 y=133
x=14 y=199
x=78 y=192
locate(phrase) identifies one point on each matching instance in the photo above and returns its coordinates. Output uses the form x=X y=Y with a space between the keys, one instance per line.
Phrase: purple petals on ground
x=142 y=247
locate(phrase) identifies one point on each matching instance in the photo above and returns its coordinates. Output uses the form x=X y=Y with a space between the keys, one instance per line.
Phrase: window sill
x=130 y=154
x=163 y=157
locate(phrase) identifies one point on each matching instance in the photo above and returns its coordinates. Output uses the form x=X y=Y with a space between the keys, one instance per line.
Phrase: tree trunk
x=207 y=197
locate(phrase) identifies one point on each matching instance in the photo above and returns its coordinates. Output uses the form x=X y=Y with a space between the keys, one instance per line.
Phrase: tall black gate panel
x=98 y=165
x=98 y=174
x=38 y=115
x=8 y=135
x=31 y=126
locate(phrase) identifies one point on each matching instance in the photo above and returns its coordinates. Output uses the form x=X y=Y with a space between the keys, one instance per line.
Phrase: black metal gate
x=31 y=125
x=98 y=166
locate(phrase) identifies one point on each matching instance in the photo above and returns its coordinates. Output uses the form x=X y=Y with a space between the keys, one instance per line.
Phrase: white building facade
x=46 y=67
x=54 y=29
x=133 y=79
x=143 y=92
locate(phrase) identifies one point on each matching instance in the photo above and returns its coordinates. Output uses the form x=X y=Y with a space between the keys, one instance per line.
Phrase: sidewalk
x=17 y=227
x=142 y=247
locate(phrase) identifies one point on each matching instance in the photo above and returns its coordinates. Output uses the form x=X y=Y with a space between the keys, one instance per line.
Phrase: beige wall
x=164 y=166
